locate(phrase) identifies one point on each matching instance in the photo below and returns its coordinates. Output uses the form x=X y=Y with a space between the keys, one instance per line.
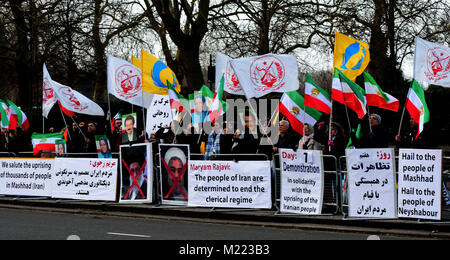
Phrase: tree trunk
x=99 y=55
x=189 y=62
x=23 y=54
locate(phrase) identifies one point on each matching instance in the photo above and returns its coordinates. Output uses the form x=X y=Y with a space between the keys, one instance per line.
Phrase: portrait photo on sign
x=174 y=161
x=136 y=174
x=103 y=147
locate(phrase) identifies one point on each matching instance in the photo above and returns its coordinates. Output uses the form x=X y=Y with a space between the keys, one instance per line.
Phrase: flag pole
x=401 y=120
x=370 y=126
x=109 y=114
x=64 y=119
x=329 y=127
x=259 y=123
x=81 y=131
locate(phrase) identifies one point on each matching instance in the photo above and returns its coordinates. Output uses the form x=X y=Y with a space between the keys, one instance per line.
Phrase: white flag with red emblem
x=432 y=63
x=125 y=81
x=70 y=99
x=224 y=69
x=75 y=101
x=48 y=95
x=265 y=74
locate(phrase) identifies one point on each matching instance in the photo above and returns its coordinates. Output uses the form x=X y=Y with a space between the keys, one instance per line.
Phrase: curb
x=332 y=223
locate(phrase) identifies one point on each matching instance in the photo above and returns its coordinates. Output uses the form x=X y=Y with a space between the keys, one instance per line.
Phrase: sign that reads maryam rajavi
x=230 y=184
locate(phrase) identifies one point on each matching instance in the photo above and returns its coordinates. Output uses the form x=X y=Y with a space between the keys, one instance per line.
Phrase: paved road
x=39 y=225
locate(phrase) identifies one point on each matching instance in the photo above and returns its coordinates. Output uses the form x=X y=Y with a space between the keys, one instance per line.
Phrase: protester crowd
x=227 y=137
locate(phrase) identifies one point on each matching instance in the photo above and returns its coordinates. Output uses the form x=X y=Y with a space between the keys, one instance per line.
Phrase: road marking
x=73 y=237
x=374 y=238
x=128 y=235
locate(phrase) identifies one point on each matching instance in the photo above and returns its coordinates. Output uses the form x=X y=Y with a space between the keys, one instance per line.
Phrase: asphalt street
x=41 y=225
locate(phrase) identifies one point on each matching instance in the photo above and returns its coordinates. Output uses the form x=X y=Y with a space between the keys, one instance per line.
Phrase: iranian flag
x=376 y=97
x=45 y=142
x=177 y=101
x=293 y=107
x=8 y=122
x=354 y=96
x=417 y=106
x=18 y=115
x=218 y=106
x=336 y=92
x=316 y=97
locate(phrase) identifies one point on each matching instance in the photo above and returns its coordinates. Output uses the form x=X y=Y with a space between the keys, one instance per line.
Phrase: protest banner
x=420 y=184
x=26 y=177
x=302 y=182
x=159 y=114
x=136 y=173
x=85 y=179
x=230 y=185
x=371 y=183
x=174 y=161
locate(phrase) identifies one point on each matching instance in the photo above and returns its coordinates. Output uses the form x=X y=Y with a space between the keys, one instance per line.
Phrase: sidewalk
x=266 y=218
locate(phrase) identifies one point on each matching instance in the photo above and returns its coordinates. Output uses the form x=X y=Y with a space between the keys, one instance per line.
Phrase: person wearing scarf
x=307 y=142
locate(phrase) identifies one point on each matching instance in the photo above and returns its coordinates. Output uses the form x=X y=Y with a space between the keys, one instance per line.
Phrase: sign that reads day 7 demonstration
x=26 y=177
x=301 y=182
x=420 y=184
x=371 y=182
x=230 y=184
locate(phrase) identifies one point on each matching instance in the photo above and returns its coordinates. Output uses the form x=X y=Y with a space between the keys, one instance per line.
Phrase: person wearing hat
x=377 y=138
x=175 y=159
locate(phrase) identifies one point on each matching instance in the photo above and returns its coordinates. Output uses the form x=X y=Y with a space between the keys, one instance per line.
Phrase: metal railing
x=335 y=171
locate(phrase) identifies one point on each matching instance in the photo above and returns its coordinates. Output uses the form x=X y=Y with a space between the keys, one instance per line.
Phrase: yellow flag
x=350 y=56
x=136 y=62
x=155 y=75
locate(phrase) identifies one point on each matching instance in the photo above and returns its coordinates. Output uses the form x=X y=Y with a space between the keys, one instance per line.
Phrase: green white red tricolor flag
x=17 y=116
x=177 y=101
x=218 y=106
x=349 y=93
x=6 y=120
x=316 y=97
x=292 y=106
x=45 y=142
x=417 y=106
x=376 y=97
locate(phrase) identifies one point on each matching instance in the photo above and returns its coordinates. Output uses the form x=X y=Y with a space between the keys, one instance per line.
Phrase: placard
x=372 y=183
x=26 y=177
x=302 y=182
x=85 y=179
x=220 y=184
x=159 y=114
x=136 y=173
x=174 y=162
x=420 y=184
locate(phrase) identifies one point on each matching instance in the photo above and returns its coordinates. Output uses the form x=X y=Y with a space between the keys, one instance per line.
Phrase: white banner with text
x=85 y=179
x=26 y=177
x=302 y=182
x=420 y=184
x=372 y=183
x=229 y=184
